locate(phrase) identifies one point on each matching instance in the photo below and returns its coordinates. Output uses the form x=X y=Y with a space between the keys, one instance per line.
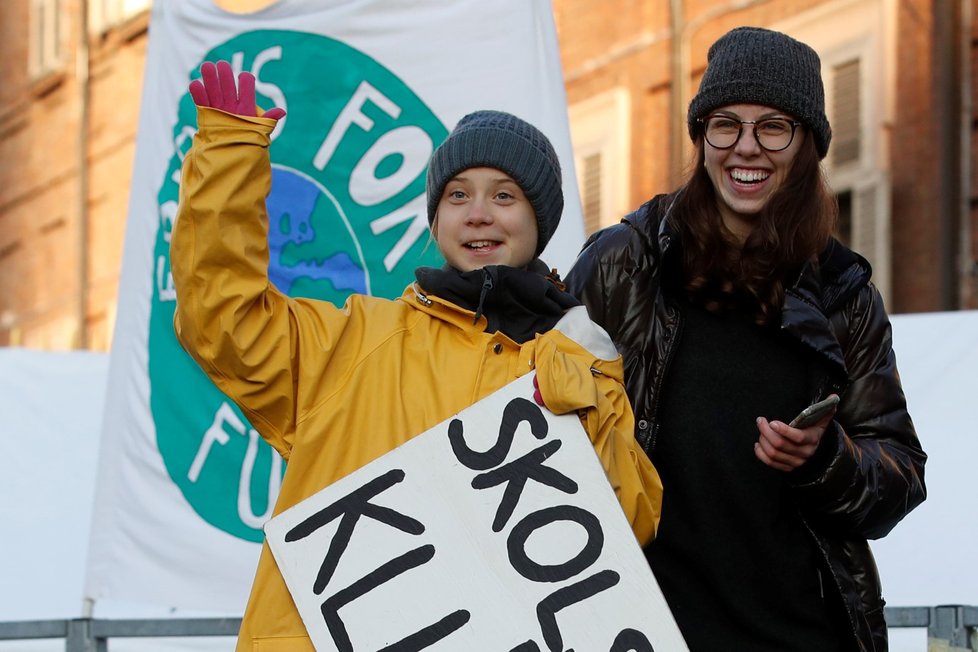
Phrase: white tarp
x=51 y=407
x=929 y=559
x=50 y=404
x=184 y=482
x=50 y=412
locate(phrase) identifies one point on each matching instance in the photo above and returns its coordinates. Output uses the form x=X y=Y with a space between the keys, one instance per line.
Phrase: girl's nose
x=479 y=213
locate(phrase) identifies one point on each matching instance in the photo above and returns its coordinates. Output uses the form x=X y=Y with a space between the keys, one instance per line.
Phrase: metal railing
x=93 y=634
x=949 y=627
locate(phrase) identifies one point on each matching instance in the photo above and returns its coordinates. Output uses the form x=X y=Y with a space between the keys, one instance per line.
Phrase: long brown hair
x=793 y=227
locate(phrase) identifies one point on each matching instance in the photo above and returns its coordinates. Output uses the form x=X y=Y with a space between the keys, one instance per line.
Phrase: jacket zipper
x=654 y=424
x=486 y=286
x=835 y=580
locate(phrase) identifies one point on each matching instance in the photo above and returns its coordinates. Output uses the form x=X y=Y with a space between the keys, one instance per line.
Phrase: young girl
x=333 y=388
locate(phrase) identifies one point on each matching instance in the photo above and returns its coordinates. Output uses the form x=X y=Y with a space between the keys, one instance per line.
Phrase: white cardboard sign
x=495 y=530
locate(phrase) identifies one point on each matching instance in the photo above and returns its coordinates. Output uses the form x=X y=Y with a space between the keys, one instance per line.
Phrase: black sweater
x=732 y=549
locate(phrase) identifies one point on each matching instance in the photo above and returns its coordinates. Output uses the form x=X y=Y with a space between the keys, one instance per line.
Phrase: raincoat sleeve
x=239 y=328
x=572 y=378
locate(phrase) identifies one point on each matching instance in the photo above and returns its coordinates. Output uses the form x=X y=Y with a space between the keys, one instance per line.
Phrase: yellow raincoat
x=310 y=376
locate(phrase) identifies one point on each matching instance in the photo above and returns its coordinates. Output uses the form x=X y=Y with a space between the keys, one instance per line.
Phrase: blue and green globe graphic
x=296 y=205
x=346 y=215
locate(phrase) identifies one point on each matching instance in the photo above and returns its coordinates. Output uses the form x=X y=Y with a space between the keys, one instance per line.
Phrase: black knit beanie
x=502 y=141
x=752 y=65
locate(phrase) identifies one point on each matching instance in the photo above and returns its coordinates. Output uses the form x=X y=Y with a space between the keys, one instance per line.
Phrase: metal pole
x=950 y=629
x=81 y=639
x=677 y=86
x=946 y=70
x=83 y=79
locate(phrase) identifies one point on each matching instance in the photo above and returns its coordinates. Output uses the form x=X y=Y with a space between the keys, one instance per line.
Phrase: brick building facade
x=900 y=78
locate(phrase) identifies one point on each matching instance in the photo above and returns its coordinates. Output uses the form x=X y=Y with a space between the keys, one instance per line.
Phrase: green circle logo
x=347 y=214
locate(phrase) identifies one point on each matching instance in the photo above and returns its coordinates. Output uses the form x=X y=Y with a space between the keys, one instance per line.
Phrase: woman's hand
x=785 y=448
x=216 y=89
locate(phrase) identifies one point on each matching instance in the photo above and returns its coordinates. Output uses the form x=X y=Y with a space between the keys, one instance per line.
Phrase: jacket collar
x=818 y=293
x=416 y=297
x=652 y=222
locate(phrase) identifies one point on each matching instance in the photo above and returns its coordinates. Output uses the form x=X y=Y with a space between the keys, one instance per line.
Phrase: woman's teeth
x=749 y=176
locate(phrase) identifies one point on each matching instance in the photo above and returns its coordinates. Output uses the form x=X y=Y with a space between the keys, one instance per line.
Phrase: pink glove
x=217 y=91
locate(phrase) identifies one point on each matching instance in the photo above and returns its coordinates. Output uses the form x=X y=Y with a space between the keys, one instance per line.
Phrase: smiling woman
x=747 y=170
x=734 y=309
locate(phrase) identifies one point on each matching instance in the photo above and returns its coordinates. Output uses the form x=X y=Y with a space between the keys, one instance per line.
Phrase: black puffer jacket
x=869 y=471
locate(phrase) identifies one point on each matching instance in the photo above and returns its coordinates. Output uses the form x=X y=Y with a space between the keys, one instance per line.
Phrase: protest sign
x=495 y=530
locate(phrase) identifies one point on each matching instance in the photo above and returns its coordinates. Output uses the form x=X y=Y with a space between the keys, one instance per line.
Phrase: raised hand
x=216 y=89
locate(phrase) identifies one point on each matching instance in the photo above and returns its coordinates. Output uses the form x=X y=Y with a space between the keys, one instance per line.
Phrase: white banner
x=494 y=530
x=184 y=483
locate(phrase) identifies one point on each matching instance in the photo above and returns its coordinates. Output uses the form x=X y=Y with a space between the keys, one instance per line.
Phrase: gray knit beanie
x=502 y=141
x=752 y=65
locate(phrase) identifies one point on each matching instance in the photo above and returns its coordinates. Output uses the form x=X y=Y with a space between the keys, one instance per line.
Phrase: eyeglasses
x=772 y=134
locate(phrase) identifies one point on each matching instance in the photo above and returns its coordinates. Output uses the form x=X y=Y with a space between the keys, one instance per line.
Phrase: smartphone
x=814 y=412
